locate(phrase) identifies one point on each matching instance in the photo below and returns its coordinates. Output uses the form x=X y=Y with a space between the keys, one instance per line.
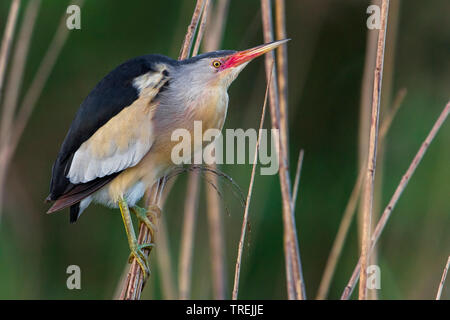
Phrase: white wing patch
x=86 y=166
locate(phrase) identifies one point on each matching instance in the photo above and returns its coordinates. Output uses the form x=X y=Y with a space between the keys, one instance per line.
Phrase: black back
x=112 y=94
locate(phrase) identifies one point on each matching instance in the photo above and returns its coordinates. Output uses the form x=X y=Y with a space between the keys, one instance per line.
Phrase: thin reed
x=237 y=271
x=294 y=275
x=14 y=119
x=134 y=284
x=350 y=208
x=367 y=199
x=395 y=197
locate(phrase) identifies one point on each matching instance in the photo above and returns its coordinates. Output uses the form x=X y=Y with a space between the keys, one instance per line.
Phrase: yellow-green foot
x=144 y=216
x=136 y=249
x=141 y=258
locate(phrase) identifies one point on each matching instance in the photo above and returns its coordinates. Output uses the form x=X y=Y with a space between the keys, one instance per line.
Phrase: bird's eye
x=216 y=64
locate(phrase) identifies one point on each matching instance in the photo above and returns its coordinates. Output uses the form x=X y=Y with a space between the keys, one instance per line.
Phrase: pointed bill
x=241 y=57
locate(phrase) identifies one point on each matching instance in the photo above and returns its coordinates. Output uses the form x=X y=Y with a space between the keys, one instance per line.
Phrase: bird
x=119 y=143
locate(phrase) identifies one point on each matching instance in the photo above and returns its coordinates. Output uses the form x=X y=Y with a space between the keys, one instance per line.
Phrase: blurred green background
x=326 y=62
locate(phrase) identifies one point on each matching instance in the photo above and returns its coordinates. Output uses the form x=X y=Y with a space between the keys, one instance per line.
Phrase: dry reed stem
x=31 y=97
x=294 y=276
x=7 y=40
x=189 y=38
x=216 y=29
x=385 y=110
x=163 y=257
x=367 y=199
x=213 y=37
x=39 y=81
x=17 y=68
x=395 y=197
x=192 y=28
x=4 y=56
x=187 y=236
x=352 y=203
x=237 y=271
x=201 y=29
x=282 y=69
x=217 y=240
x=341 y=235
x=365 y=107
x=389 y=59
x=266 y=13
x=191 y=202
x=444 y=276
x=297 y=178
x=134 y=283
x=42 y=75
x=164 y=261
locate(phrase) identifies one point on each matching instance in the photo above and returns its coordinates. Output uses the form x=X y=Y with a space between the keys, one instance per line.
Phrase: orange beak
x=241 y=57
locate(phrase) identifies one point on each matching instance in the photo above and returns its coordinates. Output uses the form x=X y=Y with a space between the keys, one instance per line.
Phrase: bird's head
x=220 y=68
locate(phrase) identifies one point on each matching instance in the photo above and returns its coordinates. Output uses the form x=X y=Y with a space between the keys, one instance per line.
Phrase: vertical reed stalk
x=133 y=285
x=187 y=236
x=11 y=139
x=294 y=276
x=5 y=49
x=191 y=202
x=297 y=178
x=341 y=235
x=365 y=107
x=17 y=68
x=282 y=69
x=352 y=203
x=164 y=260
x=371 y=159
x=163 y=257
x=217 y=240
x=213 y=38
x=7 y=40
x=385 y=106
x=134 y=282
x=237 y=271
x=192 y=28
x=396 y=196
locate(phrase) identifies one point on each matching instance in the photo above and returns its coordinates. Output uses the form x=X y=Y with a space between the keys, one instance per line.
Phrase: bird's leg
x=136 y=249
x=146 y=216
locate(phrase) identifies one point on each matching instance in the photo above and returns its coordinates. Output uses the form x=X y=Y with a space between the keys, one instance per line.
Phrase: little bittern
x=119 y=143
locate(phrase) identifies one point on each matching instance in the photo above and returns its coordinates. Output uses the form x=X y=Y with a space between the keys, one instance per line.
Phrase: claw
x=143 y=215
x=136 y=249
x=141 y=259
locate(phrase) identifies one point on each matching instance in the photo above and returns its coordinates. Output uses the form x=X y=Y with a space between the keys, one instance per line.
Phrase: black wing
x=112 y=94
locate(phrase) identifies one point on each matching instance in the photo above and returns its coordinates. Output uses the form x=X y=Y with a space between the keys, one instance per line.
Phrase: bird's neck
x=210 y=108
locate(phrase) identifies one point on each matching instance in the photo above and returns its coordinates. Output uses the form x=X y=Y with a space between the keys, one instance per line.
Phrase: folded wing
x=112 y=130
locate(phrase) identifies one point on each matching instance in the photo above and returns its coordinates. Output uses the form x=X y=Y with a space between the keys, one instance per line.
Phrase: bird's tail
x=79 y=192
